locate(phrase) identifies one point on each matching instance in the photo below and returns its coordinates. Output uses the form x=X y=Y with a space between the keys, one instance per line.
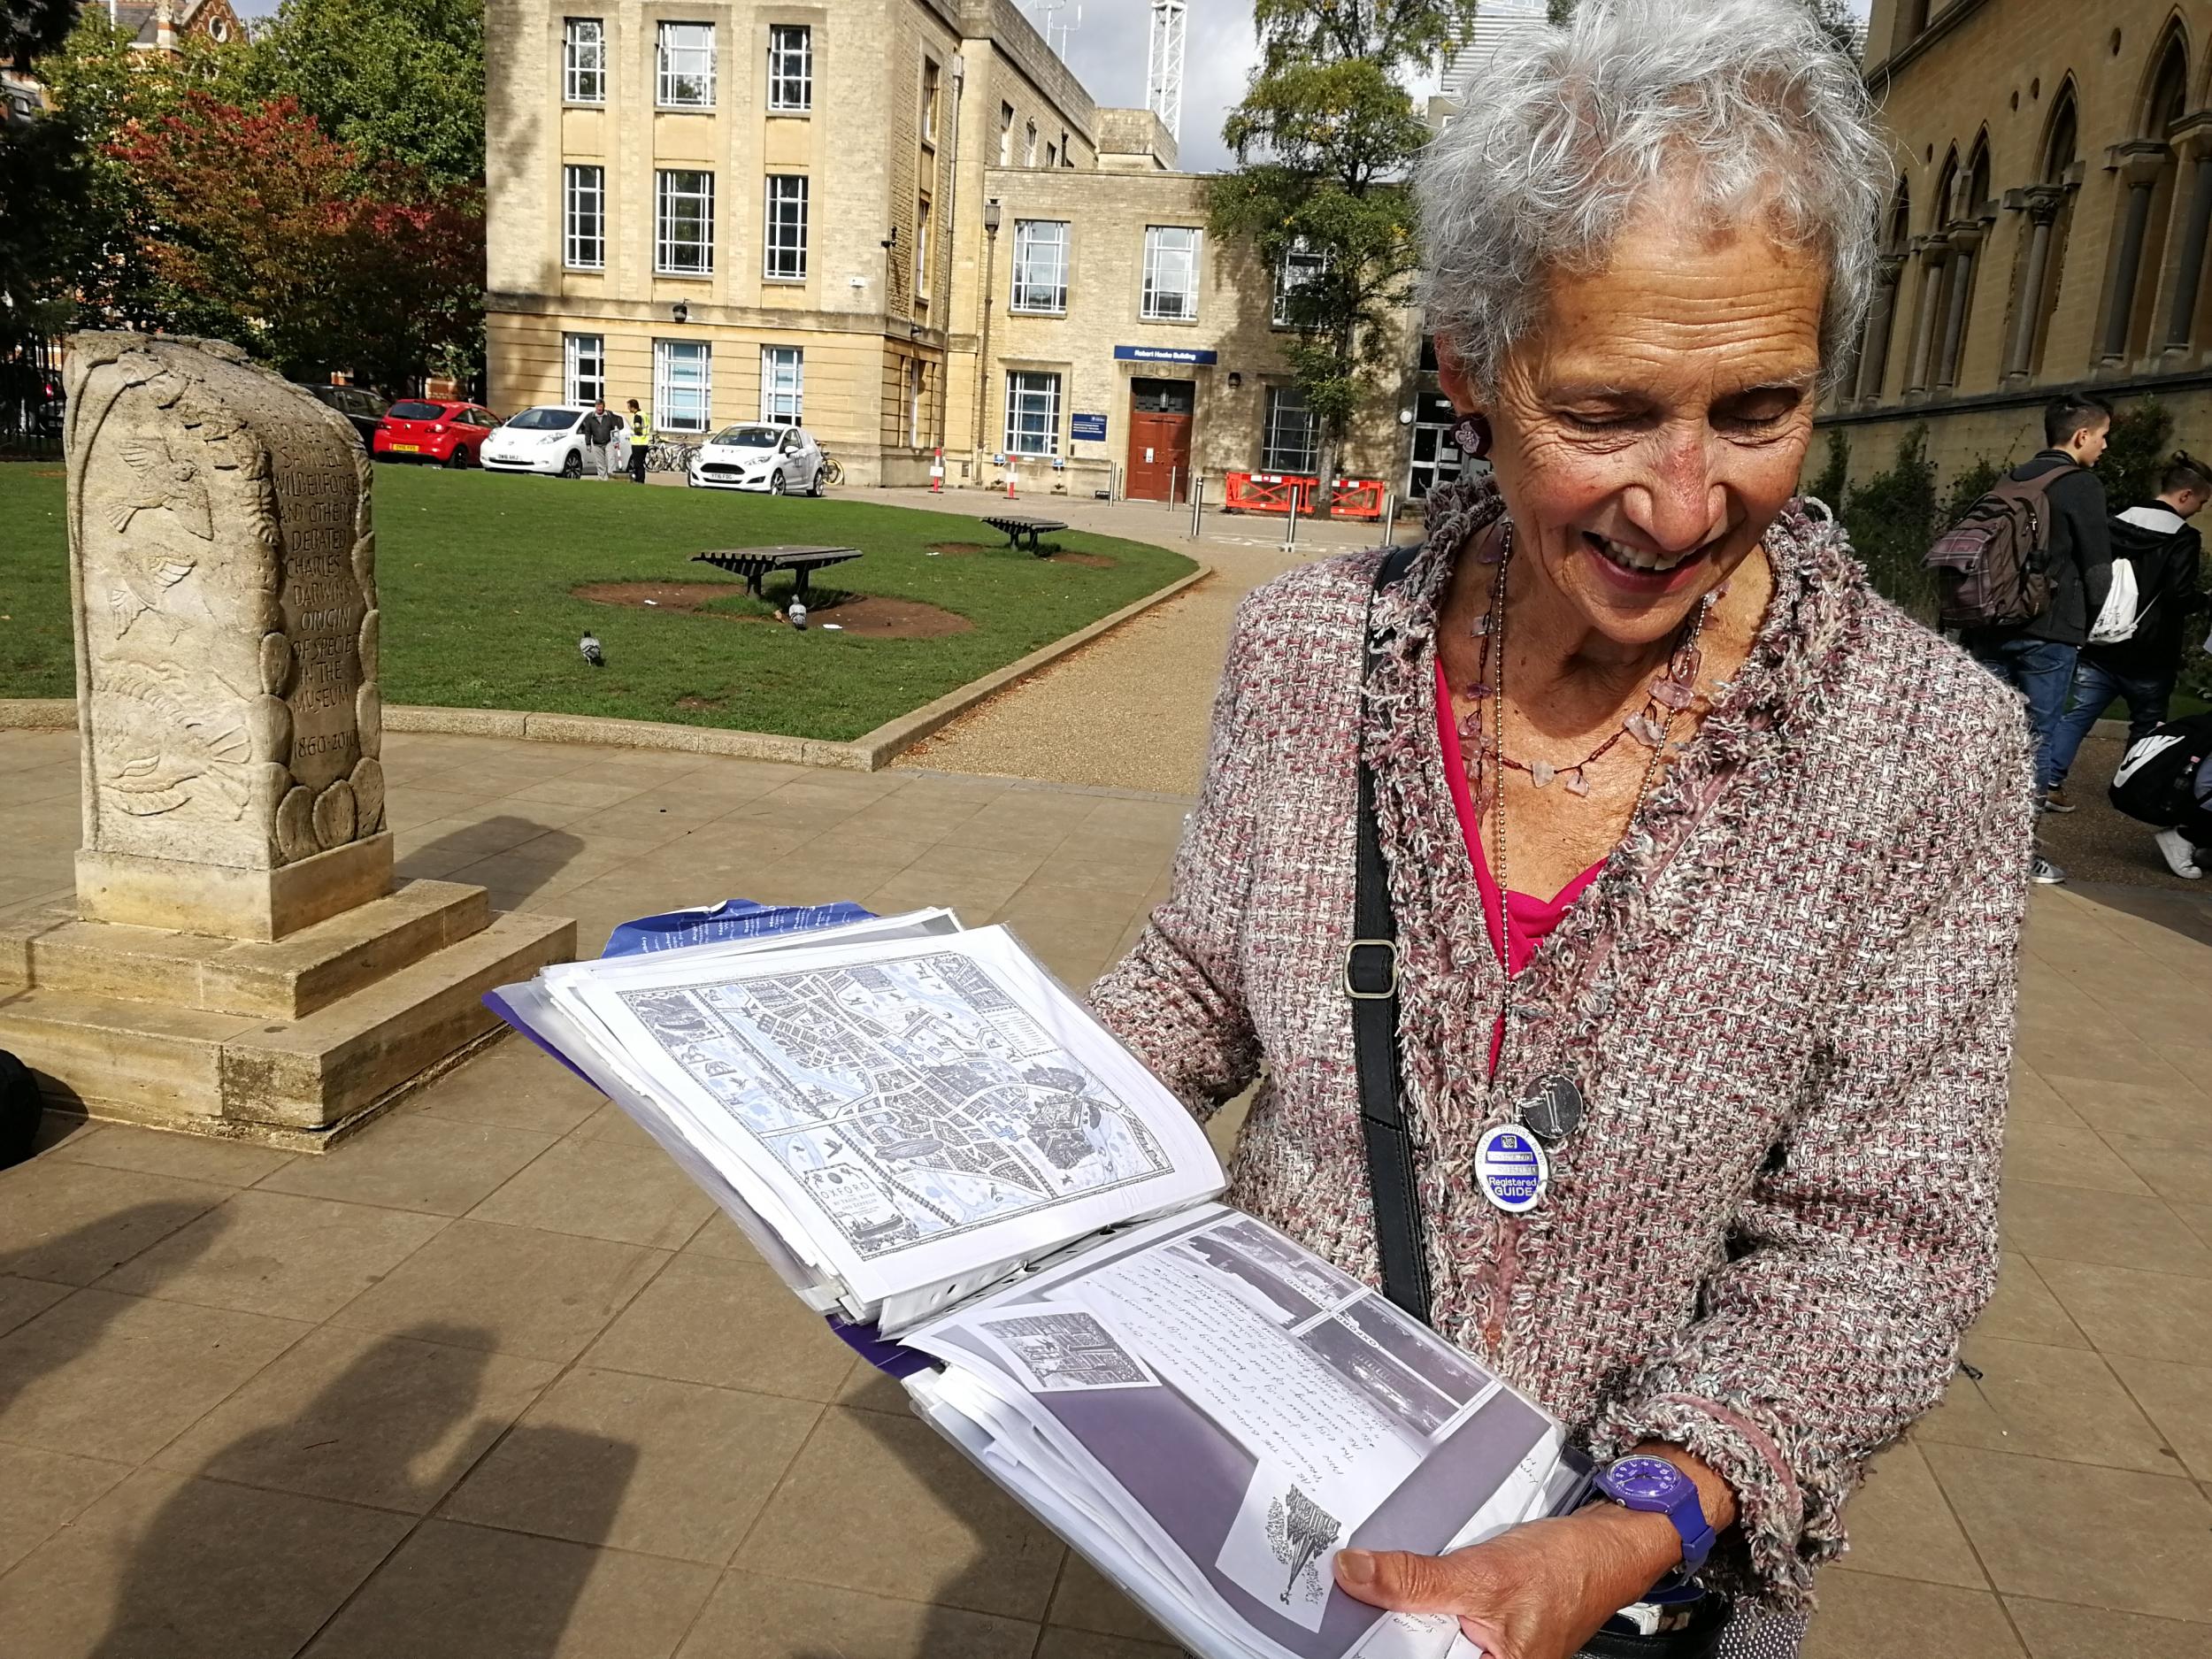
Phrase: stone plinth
x=237 y=962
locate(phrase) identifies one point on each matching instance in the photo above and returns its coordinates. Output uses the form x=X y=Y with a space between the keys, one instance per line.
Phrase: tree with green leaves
x=1325 y=140
x=397 y=81
x=44 y=180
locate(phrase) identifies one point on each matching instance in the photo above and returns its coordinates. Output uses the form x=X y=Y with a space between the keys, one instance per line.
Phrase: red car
x=426 y=429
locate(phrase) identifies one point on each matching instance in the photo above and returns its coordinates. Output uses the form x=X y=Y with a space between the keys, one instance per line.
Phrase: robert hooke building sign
x=223 y=564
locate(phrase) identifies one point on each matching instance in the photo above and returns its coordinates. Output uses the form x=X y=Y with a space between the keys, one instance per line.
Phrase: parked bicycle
x=670 y=457
x=831 y=474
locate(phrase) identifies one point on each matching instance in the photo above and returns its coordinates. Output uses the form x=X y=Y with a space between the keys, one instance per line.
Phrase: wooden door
x=1159 y=457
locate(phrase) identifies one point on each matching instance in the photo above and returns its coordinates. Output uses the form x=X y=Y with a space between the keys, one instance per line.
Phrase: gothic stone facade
x=2047 y=225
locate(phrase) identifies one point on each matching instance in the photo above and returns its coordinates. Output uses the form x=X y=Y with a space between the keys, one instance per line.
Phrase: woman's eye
x=1758 y=414
x=1608 y=420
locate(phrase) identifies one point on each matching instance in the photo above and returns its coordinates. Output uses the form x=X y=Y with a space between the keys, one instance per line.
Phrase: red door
x=1159 y=439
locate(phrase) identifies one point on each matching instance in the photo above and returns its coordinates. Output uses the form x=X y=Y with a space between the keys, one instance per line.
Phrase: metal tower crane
x=1163 y=68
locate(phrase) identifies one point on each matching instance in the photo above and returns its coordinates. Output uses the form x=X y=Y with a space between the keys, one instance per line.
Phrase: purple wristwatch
x=1656 y=1486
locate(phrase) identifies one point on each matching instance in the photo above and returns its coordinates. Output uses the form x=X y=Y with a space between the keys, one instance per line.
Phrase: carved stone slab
x=223 y=569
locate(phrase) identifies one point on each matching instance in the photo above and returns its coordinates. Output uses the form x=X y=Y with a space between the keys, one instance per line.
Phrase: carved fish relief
x=181 y=747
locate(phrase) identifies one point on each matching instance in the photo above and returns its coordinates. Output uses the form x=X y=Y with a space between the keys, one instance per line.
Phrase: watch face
x=1643 y=1478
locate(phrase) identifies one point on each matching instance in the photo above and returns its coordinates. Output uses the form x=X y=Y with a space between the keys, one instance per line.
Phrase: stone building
x=904 y=222
x=2047 y=225
x=163 y=26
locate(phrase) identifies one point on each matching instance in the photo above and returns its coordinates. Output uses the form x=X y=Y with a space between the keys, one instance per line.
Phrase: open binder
x=941 y=1151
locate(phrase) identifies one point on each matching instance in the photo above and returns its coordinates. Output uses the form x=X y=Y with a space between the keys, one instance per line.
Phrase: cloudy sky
x=1109 y=53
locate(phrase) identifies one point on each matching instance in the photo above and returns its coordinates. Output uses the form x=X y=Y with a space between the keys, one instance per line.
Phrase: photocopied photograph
x=1266 y=1292
x=1418 y=1350
x=1403 y=1396
x=1056 y=1347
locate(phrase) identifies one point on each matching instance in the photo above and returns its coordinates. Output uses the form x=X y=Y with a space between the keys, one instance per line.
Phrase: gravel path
x=1130 y=710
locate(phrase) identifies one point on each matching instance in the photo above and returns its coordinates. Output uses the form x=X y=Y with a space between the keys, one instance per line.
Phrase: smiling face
x=1651 y=426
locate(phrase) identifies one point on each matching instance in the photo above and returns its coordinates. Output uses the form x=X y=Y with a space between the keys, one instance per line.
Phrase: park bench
x=755 y=564
x=1014 y=527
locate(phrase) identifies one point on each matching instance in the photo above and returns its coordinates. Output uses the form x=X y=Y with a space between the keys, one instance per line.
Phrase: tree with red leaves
x=261 y=228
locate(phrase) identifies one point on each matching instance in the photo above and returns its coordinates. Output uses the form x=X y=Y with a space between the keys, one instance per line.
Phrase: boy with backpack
x=2164 y=552
x=2024 y=574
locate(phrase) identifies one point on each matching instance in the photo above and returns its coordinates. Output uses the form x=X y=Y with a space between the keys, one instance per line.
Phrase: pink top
x=1534 y=918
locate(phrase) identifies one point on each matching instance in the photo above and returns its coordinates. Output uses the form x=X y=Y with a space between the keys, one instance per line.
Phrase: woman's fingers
x=1405 y=1583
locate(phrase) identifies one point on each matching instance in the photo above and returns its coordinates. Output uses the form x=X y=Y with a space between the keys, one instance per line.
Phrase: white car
x=782 y=460
x=542 y=439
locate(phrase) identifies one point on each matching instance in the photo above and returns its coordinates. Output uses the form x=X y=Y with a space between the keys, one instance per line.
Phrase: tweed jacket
x=1788 y=1000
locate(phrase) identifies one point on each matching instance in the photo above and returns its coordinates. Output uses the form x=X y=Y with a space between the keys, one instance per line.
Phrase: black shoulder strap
x=1371 y=979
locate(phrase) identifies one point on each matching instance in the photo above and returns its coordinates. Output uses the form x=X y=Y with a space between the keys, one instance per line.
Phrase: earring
x=1470 y=436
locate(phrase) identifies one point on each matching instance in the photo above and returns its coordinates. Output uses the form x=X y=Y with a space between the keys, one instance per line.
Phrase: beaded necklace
x=1674 y=690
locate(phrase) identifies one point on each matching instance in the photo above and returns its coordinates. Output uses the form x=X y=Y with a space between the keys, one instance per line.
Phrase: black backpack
x=21 y=1108
x=2157 y=779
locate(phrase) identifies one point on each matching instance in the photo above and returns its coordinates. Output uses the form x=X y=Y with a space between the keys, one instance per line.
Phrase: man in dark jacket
x=598 y=431
x=2165 y=552
x=2037 y=657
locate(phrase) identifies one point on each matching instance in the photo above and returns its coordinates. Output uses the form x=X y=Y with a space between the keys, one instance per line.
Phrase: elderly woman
x=1706 y=865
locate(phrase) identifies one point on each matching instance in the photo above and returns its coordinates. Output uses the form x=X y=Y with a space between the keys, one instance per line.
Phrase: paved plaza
x=492 y=1382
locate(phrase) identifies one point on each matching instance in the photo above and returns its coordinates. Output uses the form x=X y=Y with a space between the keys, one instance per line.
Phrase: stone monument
x=235 y=868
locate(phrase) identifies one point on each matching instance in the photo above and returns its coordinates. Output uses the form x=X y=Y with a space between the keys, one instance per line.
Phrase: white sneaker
x=2045 y=873
x=2181 y=854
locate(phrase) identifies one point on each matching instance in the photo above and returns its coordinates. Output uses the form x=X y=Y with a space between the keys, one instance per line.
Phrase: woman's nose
x=1679 y=504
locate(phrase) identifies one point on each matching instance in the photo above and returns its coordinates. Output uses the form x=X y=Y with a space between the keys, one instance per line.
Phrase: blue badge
x=1509 y=1169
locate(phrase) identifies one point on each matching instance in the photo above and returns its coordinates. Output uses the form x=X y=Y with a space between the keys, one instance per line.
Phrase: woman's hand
x=1537 y=1592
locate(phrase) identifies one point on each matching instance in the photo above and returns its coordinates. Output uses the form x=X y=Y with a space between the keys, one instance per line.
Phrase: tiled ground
x=491 y=1383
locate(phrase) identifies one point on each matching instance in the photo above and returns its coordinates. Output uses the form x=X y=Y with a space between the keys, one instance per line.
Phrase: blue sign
x=1087 y=428
x=1164 y=354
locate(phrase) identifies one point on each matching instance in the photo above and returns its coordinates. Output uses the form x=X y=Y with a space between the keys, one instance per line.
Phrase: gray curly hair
x=1573 y=129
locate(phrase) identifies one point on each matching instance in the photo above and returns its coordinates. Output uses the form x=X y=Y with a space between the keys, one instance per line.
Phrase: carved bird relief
x=179 y=754
x=164 y=480
x=138 y=593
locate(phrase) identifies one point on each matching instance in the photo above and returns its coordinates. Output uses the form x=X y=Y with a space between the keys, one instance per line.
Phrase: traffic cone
x=1009 y=480
x=937 y=474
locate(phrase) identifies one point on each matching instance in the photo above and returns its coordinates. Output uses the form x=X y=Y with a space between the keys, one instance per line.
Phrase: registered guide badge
x=1511 y=1170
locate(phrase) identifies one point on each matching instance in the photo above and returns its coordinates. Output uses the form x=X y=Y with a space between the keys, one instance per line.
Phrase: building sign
x=1087 y=428
x=1164 y=354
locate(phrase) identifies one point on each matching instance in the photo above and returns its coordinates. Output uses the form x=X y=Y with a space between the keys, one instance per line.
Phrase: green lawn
x=474 y=572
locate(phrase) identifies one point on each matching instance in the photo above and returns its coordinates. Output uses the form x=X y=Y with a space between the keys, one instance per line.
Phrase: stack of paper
x=931 y=1141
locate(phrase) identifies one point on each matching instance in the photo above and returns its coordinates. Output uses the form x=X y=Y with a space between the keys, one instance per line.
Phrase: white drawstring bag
x=2117 y=621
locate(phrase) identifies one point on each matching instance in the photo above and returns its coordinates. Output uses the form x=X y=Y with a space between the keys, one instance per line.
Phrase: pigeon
x=592 y=655
x=797 y=614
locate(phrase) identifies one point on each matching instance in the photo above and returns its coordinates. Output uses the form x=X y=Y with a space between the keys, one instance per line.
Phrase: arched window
x=1968 y=189
x=2049 y=205
x=1934 y=288
x=1873 y=366
x=2147 y=174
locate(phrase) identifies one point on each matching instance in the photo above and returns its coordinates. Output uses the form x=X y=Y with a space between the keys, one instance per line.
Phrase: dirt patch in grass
x=867 y=615
x=657 y=596
x=699 y=704
x=958 y=550
x=1088 y=561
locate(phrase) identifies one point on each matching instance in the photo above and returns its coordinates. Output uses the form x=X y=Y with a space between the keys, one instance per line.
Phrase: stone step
x=299 y=1084
x=293 y=977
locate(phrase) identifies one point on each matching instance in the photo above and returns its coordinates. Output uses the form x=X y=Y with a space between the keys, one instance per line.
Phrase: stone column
x=1965 y=239
x=1874 y=355
x=2043 y=204
x=1931 y=264
x=2189 y=272
x=223 y=571
x=2138 y=165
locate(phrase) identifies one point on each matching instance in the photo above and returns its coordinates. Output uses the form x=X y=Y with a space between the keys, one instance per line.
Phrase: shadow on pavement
x=449 y=857
x=46 y=1344
x=445 y=1592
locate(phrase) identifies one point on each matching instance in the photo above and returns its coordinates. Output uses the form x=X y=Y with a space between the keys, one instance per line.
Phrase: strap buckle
x=1368 y=979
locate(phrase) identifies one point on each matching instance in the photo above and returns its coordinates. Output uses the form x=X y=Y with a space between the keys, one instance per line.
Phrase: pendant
x=1541 y=772
x=1482 y=625
x=1577 y=784
x=1673 y=694
x=1554 y=1112
x=1511 y=1170
x=1644 y=731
